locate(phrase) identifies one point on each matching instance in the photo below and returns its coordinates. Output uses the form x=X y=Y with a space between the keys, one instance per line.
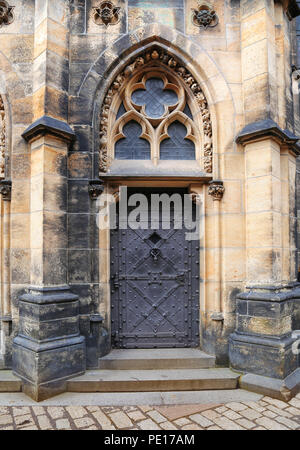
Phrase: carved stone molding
x=95 y=188
x=106 y=14
x=154 y=57
x=5 y=189
x=216 y=190
x=6 y=13
x=2 y=139
x=204 y=16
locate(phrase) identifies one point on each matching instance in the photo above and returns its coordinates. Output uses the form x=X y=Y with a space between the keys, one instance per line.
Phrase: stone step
x=153 y=380
x=163 y=358
x=9 y=382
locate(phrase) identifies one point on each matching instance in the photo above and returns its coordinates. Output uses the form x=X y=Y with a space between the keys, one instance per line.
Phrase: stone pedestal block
x=48 y=349
x=262 y=342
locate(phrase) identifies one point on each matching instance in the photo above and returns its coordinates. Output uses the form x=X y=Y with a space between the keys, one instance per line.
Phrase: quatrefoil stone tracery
x=155 y=99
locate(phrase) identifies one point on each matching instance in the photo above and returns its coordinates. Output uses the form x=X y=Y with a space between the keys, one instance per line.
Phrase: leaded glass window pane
x=132 y=146
x=176 y=146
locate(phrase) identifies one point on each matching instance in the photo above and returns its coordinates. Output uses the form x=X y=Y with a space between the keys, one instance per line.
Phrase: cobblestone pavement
x=265 y=414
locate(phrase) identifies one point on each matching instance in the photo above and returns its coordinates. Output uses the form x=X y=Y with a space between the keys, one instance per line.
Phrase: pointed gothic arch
x=150 y=64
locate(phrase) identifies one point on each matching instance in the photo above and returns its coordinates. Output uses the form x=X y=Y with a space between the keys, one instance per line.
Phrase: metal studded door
x=154 y=287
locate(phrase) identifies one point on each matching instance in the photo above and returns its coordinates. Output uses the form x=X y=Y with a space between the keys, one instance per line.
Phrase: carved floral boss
x=204 y=16
x=106 y=14
x=6 y=13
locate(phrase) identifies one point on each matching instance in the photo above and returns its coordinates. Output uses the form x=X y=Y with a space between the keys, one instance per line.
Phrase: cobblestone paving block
x=181 y=422
x=288 y=422
x=221 y=409
x=63 y=424
x=21 y=411
x=136 y=415
x=235 y=406
x=56 y=412
x=227 y=424
x=148 y=424
x=214 y=427
x=156 y=416
x=279 y=412
x=278 y=403
x=256 y=406
x=93 y=408
x=167 y=426
x=145 y=408
x=103 y=420
x=3 y=410
x=24 y=421
x=44 y=422
x=83 y=422
x=250 y=414
x=211 y=414
x=270 y=414
x=232 y=415
x=6 y=419
x=201 y=420
x=76 y=412
x=121 y=420
x=293 y=411
x=270 y=424
x=295 y=402
x=192 y=427
x=38 y=410
x=245 y=423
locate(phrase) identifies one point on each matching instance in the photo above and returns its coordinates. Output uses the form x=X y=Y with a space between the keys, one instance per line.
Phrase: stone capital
x=216 y=190
x=268 y=129
x=5 y=189
x=49 y=126
x=95 y=188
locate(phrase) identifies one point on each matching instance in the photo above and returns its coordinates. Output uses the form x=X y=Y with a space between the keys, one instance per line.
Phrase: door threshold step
x=153 y=380
x=156 y=359
x=9 y=382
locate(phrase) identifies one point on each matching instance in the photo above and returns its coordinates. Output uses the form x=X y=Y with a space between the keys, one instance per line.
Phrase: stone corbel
x=216 y=190
x=296 y=72
x=5 y=189
x=95 y=188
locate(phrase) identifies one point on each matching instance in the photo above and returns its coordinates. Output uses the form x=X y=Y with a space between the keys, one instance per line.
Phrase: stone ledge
x=49 y=125
x=280 y=389
x=265 y=129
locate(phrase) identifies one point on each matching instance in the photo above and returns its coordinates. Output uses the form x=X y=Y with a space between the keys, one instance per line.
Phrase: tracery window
x=155 y=110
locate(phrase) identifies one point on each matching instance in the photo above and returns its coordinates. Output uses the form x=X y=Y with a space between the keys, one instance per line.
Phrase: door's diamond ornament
x=155 y=252
x=106 y=14
x=204 y=16
x=154 y=238
x=6 y=13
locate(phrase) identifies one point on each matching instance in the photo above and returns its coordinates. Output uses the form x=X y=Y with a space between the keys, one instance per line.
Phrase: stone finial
x=95 y=188
x=6 y=13
x=106 y=14
x=216 y=190
x=5 y=189
x=204 y=16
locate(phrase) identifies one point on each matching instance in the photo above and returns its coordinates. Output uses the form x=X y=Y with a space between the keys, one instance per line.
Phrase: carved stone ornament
x=216 y=190
x=6 y=13
x=156 y=57
x=5 y=189
x=204 y=16
x=106 y=14
x=2 y=139
x=95 y=188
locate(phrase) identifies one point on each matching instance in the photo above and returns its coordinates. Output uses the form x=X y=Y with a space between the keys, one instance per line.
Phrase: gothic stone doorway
x=154 y=285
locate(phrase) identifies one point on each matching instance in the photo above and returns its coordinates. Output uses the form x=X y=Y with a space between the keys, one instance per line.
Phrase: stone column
x=48 y=348
x=5 y=310
x=264 y=313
